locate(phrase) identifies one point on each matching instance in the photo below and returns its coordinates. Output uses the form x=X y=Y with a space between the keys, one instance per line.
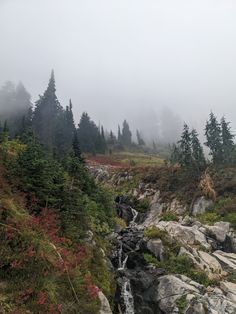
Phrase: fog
x=134 y=59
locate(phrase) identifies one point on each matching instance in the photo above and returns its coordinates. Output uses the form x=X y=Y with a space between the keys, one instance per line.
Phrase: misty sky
x=125 y=58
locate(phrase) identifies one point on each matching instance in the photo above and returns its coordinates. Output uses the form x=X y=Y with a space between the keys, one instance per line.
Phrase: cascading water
x=125 y=286
x=127 y=297
x=135 y=214
x=121 y=264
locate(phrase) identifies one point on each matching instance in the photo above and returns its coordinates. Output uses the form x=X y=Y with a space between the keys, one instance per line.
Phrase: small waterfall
x=127 y=297
x=121 y=263
x=135 y=214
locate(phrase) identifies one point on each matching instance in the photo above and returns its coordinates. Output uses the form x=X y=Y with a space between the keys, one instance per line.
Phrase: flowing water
x=127 y=296
x=126 y=291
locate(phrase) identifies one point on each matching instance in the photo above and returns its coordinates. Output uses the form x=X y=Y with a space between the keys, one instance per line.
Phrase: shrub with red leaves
x=91 y=288
x=42 y=298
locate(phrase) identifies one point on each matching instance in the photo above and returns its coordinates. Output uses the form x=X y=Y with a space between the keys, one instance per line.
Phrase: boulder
x=219 y=230
x=185 y=234
x=200 y=205
x=156 y=247
x=105 y=306
x=170 y=289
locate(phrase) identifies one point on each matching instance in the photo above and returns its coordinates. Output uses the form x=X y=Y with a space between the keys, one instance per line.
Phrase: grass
x=127 y=159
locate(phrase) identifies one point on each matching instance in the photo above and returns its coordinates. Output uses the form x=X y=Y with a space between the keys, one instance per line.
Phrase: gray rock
x=105 y=306
x=156 y=247
x=200 y=205
x=171 y=289
x=220 y=230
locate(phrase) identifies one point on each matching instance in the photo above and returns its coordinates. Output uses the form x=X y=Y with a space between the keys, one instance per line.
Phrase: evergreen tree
x=214 y=138
x=228 y=146
x=76 y=147
x=126 y=137
x=185 y=147
x=89 y=136
x=197 y=151
x=64 y=131
x=47 y=114
x=111 y=139
x=139 y=138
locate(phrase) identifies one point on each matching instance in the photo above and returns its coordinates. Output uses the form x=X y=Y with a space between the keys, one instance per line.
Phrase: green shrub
x=209 y=218
x=154 y=232
x=169 y=216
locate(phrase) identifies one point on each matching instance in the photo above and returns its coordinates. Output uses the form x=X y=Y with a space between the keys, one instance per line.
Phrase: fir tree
x=89 y=136
x=228 y=146
x=76 y=147
x=198 y=157
x=214 y=138
x=126 y=137
x=185 y=147
x=47 y=114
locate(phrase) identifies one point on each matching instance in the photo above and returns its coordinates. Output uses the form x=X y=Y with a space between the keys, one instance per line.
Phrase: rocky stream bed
x=145 y=288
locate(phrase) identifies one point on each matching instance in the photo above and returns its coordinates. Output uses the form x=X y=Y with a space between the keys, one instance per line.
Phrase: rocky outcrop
x=200 y=205
x=219 y=230
x=189 y=236
x=175 y=292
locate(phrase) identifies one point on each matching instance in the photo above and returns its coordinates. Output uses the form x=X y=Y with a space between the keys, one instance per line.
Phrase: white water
x=135 y=214
x=122 y=264
x=127 y=297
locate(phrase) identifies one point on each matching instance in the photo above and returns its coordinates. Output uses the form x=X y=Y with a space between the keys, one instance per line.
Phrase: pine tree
x=214 y=138
x=139 y=138
x=185 y=147
x=228 y=146
x=198 y=157
x=47 y=114
x=126 y=137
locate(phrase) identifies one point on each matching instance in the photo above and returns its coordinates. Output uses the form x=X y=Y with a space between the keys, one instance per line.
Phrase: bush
x=169 y=216
x=154 y=232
